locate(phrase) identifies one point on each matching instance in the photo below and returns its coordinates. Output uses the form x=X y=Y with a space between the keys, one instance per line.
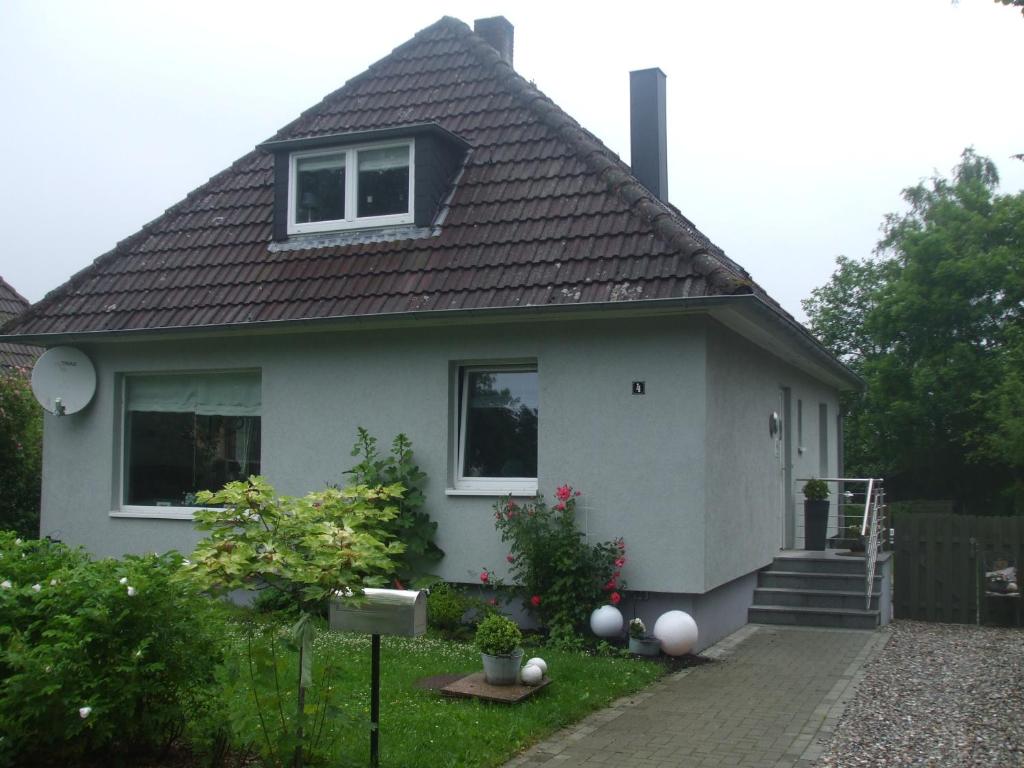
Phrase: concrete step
x=839 y=618
x=804 y=580
x=812 y=598
x=818 y=563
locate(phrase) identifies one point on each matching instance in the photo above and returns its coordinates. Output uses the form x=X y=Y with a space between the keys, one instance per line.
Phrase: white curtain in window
x=212 y=394
x=321 y=162
x=383 y=159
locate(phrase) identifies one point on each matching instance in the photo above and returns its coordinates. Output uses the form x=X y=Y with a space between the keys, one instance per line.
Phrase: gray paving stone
x=771 y=700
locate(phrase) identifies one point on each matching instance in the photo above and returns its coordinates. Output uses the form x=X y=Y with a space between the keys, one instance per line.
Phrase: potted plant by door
x=815 y=514
x=498 y=639
x=640 y=642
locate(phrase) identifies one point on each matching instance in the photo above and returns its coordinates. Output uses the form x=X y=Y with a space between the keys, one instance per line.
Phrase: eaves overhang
x=358 y=137
x=746 y=314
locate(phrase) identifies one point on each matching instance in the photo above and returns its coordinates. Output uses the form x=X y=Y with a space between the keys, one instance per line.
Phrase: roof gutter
x=751 y=306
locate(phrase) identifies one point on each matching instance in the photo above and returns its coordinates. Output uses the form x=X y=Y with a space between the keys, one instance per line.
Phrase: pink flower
x=535 y=601
x=577 y=493
x=510 y=558
x=616 y=598
x=484 y=577
x=563 y=493
x=610 y=585
x=559 y=507
x=493 y=601
x=621 y=544
x=512 y=505
x=619 y=562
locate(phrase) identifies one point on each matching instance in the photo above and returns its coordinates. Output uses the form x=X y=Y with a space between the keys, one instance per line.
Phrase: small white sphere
x=677 y=632
x=531 y=674
x=1011 y=587
x=537 y=661
x=606 y=621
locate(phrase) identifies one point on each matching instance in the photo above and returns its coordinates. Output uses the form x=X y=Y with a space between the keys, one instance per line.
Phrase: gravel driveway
x=937 y=695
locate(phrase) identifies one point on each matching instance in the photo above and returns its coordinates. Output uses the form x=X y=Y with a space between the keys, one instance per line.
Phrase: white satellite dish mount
x=63 y=380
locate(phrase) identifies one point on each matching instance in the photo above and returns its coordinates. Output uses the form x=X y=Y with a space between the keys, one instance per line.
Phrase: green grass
x=422 y=728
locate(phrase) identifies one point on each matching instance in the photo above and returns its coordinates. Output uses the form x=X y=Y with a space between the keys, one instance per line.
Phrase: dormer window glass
x=326 y=195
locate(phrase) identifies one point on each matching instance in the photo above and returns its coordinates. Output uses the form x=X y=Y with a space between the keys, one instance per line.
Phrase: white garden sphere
x=606 y=621
x=537 y=661
x=677 y=632
x=531 y=674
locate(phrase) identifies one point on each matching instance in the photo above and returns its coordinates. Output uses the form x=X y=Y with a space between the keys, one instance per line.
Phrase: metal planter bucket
x=645 y=646
x=502 y=670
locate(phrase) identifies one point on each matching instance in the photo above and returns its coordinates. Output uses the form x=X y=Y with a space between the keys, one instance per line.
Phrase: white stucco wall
x=639 y=460
x=743 y=476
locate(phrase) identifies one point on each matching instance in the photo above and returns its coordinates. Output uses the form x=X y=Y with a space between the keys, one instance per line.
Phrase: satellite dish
x=63 y=380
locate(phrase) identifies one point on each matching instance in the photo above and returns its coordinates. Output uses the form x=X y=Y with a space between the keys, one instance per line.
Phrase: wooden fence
x=939 y=563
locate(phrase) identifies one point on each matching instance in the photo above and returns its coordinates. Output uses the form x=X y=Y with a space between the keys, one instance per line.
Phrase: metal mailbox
x=382 y=612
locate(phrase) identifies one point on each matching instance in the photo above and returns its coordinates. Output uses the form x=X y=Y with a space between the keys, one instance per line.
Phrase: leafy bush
x=21 y=454
x=561 y=577
x=446 y=606
x=102 y=657
x=498 y=635
x=411 y=525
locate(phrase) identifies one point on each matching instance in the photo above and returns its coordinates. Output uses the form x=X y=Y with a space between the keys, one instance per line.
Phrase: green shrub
x=102 y=657
x=446 y=607
x=21 y=452
x=411 y=525
x=560 y=577
x=498 y=635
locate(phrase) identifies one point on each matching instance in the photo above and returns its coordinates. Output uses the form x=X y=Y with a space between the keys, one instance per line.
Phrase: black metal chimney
x=648 y=140
x=499 y=33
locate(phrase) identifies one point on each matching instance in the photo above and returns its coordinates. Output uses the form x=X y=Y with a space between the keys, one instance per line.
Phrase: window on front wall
x=184 y=433
x=498 y=410
x=344 y=188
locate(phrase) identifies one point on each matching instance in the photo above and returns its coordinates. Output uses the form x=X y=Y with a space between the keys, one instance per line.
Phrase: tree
x=21 y=450
x=329 y=543
x=933 y=324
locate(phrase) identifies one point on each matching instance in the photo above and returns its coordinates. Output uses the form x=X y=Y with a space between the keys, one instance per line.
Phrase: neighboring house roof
x=13 y=304
x=542 y=214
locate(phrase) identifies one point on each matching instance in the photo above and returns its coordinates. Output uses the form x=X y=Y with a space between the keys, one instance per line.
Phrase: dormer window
x=393 y=178
x=345 y=188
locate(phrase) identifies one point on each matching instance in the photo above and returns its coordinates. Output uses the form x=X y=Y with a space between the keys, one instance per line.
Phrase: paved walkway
x=773 y=694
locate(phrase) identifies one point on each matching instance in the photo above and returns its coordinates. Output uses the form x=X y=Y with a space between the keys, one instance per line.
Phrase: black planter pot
x=815 y=524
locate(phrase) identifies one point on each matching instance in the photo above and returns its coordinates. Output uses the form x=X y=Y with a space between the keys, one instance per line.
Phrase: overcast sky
x=793 y=126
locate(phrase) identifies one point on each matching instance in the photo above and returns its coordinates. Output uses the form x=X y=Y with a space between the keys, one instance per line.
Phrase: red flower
x=559 y=507
x=535 y=601
x=615 y=598
x=510 y=558
x=563 y=493
x=620 y=562
x=484 y=577
x=399 y=585
x=493 y=601
x=610 y=585
x=512 y=505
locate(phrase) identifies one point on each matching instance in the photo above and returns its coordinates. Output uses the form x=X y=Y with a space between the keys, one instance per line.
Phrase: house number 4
x=639 y=388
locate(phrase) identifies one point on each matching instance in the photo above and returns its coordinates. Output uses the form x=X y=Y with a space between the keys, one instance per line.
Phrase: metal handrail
x=874 y=508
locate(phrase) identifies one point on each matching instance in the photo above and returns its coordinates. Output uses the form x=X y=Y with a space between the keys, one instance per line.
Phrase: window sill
x=156 y=513
x=512 y=489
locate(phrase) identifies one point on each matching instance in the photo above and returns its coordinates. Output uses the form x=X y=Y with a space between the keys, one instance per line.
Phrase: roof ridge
x=12 y=289
x=613 y=172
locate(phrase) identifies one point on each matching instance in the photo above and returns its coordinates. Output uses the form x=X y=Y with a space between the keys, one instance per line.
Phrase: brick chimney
x=499 y=34
x=648 y=140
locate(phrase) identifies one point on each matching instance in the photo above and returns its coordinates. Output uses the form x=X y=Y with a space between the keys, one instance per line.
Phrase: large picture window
x=498 y=411
x=349 y=187
x=184 y=433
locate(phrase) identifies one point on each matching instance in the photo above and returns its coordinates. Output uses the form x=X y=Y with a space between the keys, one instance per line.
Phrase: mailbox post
x=400 y=612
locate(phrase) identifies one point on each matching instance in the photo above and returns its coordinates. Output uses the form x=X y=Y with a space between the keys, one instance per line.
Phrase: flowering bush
x=21 y=446
x=560 y=576
x=99 y=657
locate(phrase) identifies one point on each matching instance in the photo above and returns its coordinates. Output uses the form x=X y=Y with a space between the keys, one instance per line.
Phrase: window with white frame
x=184 y=433
x=497 y=429
x=350 y=187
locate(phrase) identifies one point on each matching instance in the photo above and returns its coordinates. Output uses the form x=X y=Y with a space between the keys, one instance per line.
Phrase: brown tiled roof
x=542 y=214
x=13 y=304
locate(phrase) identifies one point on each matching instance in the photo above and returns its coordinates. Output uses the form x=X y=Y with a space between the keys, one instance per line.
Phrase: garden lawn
x=423 y=728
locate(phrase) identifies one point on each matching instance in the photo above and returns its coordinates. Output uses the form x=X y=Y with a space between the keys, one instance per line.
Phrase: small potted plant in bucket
x=815 y=514
x=498 y=639
x=640 y=642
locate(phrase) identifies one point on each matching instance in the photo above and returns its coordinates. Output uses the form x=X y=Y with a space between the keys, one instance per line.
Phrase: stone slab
x=476 y=687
